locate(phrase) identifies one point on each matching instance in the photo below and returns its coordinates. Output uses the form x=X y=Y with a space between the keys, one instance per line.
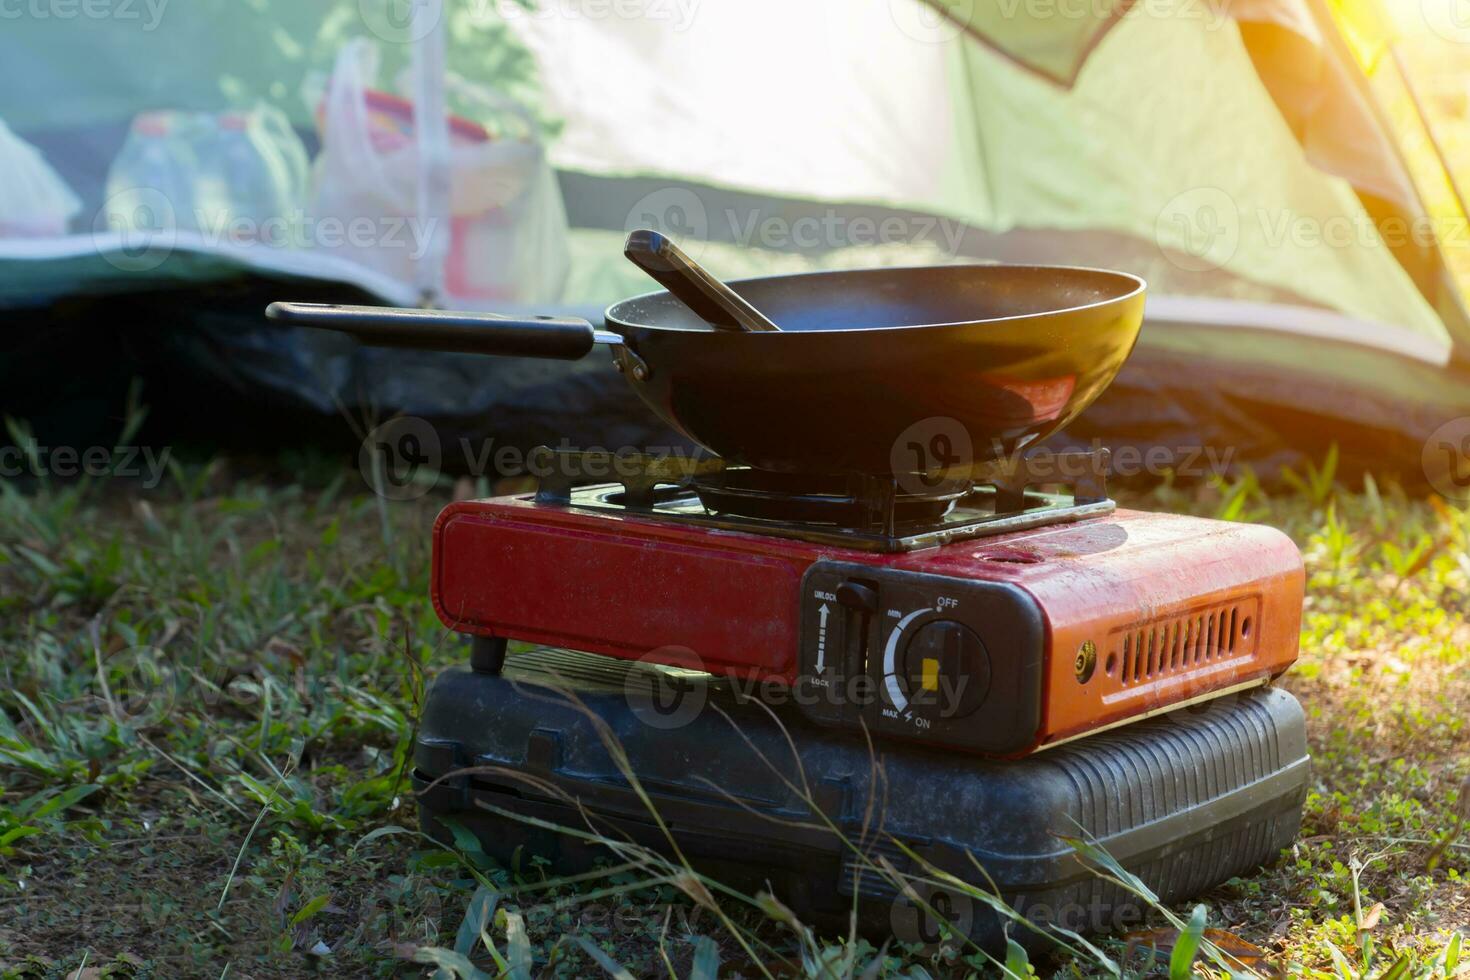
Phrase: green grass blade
x=476 y=918
x=706 y=960
x=63 y=801
x=610 y=965
x=1399 y=970
x=1018 y=963
x=311 y=908
x=518 y=947
x=450 y=963
x=1181 y=961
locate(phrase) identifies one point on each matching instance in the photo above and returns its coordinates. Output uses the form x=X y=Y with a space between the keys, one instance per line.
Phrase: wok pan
x=1001 y=355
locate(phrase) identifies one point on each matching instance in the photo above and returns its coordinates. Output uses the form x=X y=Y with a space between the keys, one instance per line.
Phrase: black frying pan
x=1009 y=354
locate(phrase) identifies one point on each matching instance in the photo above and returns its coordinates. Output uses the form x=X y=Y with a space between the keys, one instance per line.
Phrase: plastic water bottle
x=150 y=187
x=249 y=178
x=228 y=184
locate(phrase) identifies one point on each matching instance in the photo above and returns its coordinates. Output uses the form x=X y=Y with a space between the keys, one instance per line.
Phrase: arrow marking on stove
x=822 y=640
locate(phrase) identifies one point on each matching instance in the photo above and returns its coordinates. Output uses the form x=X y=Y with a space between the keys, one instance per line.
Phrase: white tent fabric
x=1166 y=130
x=821 y=99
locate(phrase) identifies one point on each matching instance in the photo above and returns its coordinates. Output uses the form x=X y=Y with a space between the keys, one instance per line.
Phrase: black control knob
x=947 y=670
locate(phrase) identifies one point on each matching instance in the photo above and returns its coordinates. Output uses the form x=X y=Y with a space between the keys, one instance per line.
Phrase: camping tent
x=1266 y=165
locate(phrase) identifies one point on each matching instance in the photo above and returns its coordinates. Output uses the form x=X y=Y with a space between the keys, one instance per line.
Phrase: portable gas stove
x=984 y=617
x=977 y=614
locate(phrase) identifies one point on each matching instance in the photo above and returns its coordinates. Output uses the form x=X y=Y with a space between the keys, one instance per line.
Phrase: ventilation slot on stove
x=1150 y=651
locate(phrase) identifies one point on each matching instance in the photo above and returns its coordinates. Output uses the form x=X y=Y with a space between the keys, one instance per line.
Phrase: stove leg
x=487 y=654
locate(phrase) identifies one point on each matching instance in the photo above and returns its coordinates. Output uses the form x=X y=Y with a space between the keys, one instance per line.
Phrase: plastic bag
x=34 y=201
x=508 y=226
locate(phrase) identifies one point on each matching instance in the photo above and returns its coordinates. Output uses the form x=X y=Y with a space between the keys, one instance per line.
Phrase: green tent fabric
x=1229 y=153
x=1224 y=186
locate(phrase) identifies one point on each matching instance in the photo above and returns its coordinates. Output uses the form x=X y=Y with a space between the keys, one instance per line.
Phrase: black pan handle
x=557 y=338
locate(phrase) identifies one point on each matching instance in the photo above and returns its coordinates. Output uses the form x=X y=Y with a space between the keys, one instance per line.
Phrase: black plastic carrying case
x=1185 y=801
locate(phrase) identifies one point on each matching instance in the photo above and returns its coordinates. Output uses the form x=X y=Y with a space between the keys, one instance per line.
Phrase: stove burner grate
x=866 y=513
x=843 y=501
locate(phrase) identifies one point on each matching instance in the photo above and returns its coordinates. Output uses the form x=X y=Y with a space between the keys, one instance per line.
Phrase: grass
x=209 y=698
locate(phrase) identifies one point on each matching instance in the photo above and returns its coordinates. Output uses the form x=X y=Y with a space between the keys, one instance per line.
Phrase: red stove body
x=999 y=645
